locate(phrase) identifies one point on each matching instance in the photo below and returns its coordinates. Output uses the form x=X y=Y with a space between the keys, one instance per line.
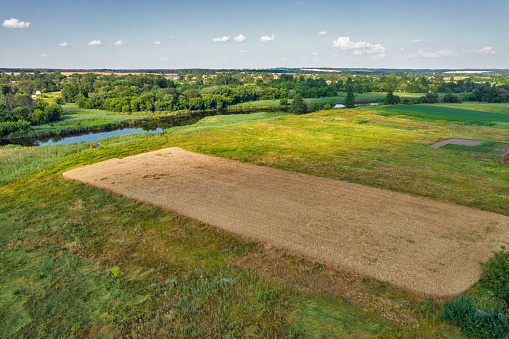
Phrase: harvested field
x=428 y=246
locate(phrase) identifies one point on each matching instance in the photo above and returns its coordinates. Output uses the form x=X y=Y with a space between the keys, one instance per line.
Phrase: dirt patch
x=416 y=243
x=463 y=142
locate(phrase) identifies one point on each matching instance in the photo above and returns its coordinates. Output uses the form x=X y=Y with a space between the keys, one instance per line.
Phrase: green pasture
x=64 y=244
x=451 y=113
x=502 y=108
x=371 y=96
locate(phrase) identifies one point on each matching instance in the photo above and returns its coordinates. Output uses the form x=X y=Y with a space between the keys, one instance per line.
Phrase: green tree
x=298 y=106
x=389 y=98
x=350 y=99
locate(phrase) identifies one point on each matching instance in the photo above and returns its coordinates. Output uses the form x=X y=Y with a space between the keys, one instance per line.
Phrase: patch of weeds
x=495 y=275
x=325 y=318
x=473 y=322
x=425 y=308
x=360 y=121
x=116 y=273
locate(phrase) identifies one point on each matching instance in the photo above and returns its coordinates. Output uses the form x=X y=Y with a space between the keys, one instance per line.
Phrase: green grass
x=476 y=106
x=60 y=240
x=371 y=96
x=380 y=96
x=17 y=162
x=450 y=113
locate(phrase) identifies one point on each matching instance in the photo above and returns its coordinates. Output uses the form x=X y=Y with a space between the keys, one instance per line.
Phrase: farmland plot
x=413 y=242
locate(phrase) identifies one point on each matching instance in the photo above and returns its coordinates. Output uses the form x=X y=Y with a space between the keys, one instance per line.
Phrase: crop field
x=450 y=113
x=78 y=261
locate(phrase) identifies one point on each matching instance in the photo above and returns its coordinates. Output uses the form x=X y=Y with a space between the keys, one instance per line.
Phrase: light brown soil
x=416 y=243
x=463 y=142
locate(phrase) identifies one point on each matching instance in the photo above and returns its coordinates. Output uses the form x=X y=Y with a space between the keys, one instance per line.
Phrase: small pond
x=357 y=105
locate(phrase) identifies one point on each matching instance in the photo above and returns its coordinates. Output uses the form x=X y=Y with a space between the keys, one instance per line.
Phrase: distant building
x=176 y=77
x=37 y=92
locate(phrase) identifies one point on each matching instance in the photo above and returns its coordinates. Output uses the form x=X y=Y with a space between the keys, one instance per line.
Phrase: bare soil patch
x=463 y=142
x=428 y=246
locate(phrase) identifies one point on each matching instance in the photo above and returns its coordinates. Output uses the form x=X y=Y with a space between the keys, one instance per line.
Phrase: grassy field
x=49 y=97
x=372 y=96
x=64 y=246
x=451 y=113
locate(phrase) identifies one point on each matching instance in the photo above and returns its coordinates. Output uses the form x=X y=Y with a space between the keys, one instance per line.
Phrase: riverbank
x=78 y=121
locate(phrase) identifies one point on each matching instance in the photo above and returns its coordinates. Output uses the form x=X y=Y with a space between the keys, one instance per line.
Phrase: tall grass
x=17 y=162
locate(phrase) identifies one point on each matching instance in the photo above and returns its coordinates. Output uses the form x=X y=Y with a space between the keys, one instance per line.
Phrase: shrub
x=116 y=272
x=495 y=274
x=474 y=323
x=505 y=158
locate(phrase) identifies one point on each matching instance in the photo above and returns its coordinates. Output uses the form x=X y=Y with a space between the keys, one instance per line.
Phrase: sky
x=168 y=34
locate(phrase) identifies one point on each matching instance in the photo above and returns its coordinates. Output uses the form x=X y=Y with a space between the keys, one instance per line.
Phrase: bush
x=116 y=272
x=505 y=158
x=474 y=323
x=495 y=274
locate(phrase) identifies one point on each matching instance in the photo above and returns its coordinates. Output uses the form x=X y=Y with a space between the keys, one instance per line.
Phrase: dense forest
x=21 y=105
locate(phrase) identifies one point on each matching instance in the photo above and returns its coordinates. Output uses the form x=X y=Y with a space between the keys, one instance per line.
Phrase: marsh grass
x=60 y=240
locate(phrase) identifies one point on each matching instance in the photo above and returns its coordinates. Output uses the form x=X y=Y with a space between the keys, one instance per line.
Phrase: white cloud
x=283 y=58
x=360 y=47
x=415 y=41
x=15 y=23
x=300 y=2
x=239 y=38
x=221 y=39
x=484 y=50
x=335 y=56
x=267 y=38
x=119 y=43
x=431 y=55
x=322 y=33
x=165 y=58
x=95 y=43
x=64 y=44
x=44 y=55
x=242 y=51
x=158 y=43
x=315 y=54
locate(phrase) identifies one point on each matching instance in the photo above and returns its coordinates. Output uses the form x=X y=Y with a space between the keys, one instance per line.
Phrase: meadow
x=80 y=262
x=451 y=113
x=359 y=97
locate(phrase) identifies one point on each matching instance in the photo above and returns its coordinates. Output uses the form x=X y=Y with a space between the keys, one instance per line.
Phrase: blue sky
x=254 y=34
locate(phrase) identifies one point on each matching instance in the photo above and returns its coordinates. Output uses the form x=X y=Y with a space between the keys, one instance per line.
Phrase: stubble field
x=415 y=243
